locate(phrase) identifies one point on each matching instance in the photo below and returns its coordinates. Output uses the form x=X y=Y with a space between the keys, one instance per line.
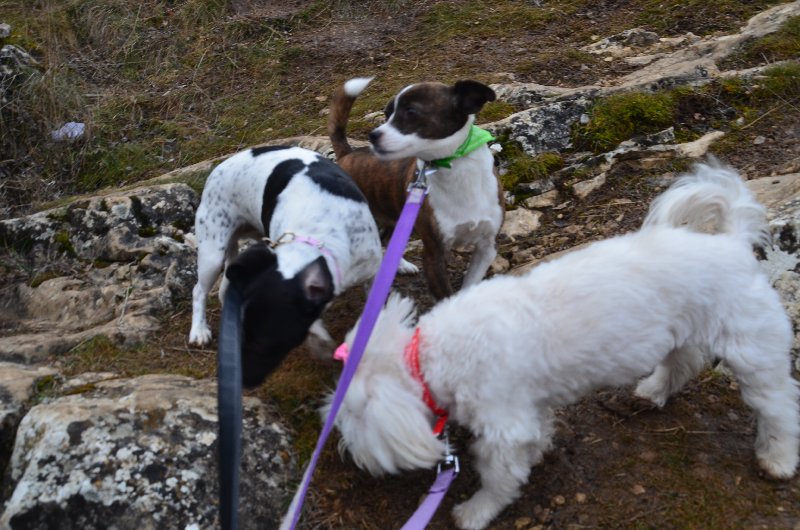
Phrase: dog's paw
x=652 y=389
x=779 y=469
x=406 y=267
x=476 y=513
x=200 y=335
x=778 y=456
x=319 y=342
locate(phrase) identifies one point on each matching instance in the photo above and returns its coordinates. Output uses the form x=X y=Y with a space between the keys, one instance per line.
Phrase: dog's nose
x=374 y=136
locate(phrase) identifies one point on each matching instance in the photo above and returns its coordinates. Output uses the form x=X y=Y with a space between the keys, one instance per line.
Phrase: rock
x=17 y=387
x=758 y=140
x=141 y=453
x=71 y=130
x=500 y=265
x=5 y=30
x=546 y=127
x=519 y=224
x=584 y=188
x=527 y=94
x=547 y=199
x=781 y=196
x=537 y=187
x=133 y=260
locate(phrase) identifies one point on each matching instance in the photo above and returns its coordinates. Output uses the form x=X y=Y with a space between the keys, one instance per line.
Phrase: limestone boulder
x=141 y=454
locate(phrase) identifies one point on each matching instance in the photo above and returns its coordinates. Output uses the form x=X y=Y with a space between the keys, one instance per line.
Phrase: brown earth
x=616 y=462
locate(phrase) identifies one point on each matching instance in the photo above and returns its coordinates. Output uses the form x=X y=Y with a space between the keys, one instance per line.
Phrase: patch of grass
x=297 y=388
x=778 y=46
x=621 y=116
x=102 y=354
x=779 y=82
x=698 y=16
x=444 y=21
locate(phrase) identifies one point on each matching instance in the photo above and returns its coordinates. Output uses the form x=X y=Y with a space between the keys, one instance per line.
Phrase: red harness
x=412 y=360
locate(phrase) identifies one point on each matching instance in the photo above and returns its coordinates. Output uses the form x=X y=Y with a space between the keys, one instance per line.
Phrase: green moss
x=41 y=277
x=495 y=110
x=147 y=231
x=521 y=167
x=80 y=389
x=64 y=244
x=44 y=387
x=621 y=116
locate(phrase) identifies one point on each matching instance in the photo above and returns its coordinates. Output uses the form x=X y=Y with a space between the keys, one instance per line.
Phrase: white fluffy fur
x=659 y=303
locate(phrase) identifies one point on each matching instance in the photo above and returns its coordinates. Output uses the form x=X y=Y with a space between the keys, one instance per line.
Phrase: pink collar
x=291 y=237
x=411 y=356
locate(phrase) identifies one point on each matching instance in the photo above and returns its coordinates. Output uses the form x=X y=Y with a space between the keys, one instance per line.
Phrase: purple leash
x=375 y=301
x=436 y=492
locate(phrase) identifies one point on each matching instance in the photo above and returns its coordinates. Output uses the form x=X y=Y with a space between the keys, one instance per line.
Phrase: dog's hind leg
x=434 y=263
x=767 y=386
x=209 y=264
x=680 y=365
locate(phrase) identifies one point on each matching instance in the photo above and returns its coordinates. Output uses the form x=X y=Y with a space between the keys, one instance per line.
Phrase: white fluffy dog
x=500 y=355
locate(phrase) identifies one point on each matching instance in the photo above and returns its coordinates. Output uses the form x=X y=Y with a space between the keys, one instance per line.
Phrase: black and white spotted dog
x=322 y=240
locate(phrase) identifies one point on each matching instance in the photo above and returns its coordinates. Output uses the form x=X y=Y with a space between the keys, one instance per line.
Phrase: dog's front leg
x=319 y=342
x=481 y=260
x=504 y=467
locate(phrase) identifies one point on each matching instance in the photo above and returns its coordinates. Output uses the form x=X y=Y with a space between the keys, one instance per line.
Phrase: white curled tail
x=712 y=199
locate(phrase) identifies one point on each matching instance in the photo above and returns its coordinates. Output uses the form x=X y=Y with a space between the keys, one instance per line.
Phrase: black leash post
x=229 y=407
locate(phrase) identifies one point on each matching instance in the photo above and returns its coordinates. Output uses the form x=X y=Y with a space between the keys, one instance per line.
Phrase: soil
x=616 y=461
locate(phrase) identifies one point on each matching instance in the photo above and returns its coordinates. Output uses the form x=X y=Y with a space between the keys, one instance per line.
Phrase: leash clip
x=450 y=461
x=421 y=175
x=286 y=237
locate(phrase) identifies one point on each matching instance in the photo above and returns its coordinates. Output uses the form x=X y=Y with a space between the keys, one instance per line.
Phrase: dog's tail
x=712 y=199
x=341 y=104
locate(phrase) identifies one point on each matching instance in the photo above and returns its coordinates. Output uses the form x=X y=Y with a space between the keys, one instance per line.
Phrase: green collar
x=476 y=138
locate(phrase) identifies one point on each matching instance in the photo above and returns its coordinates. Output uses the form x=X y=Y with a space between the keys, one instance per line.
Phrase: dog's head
x=277 y=312
x=385 y=425
x=429 y=120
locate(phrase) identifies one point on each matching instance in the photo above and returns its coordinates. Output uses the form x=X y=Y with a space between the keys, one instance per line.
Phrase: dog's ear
x=316 y=282
x=389 y=110
x=250 y=264
x=471 y=96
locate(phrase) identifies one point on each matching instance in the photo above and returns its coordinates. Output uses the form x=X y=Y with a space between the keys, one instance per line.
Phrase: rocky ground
x=96 y=296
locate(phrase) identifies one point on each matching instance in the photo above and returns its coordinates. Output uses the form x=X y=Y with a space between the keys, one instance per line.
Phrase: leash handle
x=375 y=301
x=229 y=407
